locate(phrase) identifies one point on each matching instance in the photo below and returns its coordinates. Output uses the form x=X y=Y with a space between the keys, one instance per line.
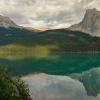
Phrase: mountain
x=6 y=22
x=10 y=31
x=62 y=39
x=90 y=23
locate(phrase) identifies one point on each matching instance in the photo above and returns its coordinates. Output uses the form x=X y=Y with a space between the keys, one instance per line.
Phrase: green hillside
x=58 y=51
x=22 y=43
x=61 y=39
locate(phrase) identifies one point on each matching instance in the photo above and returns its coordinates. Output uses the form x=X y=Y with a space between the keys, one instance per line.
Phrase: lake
x=63 y=63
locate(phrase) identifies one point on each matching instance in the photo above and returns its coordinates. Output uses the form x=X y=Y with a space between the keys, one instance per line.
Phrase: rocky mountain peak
x=90 y=23
x=6 y=22
x=92 y=10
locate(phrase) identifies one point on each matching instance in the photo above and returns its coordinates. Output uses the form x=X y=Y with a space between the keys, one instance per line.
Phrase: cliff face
x=90 y=23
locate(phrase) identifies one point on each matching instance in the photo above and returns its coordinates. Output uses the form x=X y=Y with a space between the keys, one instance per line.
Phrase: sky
x=46 y=13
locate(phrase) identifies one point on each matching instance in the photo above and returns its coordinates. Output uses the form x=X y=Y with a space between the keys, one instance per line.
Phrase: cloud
x=49 y=13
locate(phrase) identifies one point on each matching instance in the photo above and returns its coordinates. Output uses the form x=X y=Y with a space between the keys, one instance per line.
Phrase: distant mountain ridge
x=90 y=23
x=6 y=22
x=64 y=39
x=9 y=29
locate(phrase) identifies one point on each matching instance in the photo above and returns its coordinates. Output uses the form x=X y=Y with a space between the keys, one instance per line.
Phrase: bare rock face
x=6 y=22
x=90 y=23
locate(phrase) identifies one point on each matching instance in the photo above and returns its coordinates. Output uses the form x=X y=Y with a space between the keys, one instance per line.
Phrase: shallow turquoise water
x=65 y=64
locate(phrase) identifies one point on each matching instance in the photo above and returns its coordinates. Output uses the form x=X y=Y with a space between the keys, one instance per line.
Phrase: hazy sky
x=46 y=13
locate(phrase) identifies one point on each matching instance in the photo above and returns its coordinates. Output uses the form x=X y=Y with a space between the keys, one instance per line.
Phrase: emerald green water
x=65 y=64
